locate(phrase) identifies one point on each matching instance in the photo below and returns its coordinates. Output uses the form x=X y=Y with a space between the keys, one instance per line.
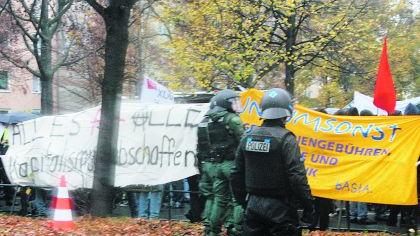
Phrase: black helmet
x=341 y=112
x=223 y=100
x=351 y=111
x=212 y=106
x=366 y=112
x=276 y=103
x=411 y=109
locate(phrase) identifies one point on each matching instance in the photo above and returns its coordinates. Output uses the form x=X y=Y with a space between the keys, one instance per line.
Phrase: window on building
x=36 y=85
x=4 y=80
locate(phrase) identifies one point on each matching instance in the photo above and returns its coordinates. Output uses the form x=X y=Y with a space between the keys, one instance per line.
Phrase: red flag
x=385 y=97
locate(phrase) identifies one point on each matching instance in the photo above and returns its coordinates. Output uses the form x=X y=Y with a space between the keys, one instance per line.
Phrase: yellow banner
x=365 y=159
x=250 y=100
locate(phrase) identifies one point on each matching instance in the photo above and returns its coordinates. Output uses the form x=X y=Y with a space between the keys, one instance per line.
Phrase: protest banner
x=367 y=159
x=156 y=145
x=152 y=92
x=250 y=100
x=364 y=159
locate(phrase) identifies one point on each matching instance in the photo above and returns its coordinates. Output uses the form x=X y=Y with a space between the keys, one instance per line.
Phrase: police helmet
x=223 y=100
x=212 y=106
x=276 y=103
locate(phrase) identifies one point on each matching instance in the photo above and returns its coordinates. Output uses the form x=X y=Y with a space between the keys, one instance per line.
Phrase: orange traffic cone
x=61 y=205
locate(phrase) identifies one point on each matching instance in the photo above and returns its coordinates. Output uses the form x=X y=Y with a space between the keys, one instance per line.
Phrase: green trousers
x=220 y=206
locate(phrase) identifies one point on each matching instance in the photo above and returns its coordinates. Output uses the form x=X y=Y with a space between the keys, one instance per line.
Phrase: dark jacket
x=287 y=155
x=218 y=136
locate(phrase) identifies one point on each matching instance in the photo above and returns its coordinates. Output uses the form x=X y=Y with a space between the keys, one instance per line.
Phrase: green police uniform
x=218 y=137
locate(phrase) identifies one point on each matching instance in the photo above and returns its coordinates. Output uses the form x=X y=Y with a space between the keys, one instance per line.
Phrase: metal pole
x=170 y=207
x=12 y=209
x=348 y=215
x=340 y=205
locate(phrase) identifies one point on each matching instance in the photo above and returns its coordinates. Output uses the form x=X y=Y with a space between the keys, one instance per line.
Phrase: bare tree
x=116 y=16
x=38 y=22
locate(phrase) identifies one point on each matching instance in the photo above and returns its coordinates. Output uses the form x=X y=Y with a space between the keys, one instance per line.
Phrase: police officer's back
x=268 y=169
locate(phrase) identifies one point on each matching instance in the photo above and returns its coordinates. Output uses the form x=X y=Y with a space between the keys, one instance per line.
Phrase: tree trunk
x=46 y=78
x=289 y=65
x=289 y=80
x=46 y=95
x=116 y=20
x=45 y=63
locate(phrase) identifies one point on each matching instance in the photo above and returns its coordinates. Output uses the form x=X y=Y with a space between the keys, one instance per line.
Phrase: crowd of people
x=251 y=181
x=254 y=181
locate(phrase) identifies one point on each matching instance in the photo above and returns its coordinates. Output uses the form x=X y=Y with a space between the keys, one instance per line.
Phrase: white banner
x=362 y=102
x=156 y=145
x=153 y=92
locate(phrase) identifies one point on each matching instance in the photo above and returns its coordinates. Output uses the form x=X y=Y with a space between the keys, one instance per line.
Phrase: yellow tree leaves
x=244 y=42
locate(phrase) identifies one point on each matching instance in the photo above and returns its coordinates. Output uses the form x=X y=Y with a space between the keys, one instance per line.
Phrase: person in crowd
x=40 y=202
x=378 y=208
x=218 y=136
x=4 y=145
x=198 y=211
x=268 y=173
x=132 y=203
x=149 y=201
x=196 y=200
x=358 y=210
x=408 y=213
x=177 y=194
x=323 y=207
x=397 y=113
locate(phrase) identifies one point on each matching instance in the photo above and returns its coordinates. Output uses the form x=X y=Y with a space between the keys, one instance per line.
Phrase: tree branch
x=30 y=11
x=19 y=24
x=60 y=13
x=98 y=7
x=20 y=65
x=28 y=46
x=3 y=8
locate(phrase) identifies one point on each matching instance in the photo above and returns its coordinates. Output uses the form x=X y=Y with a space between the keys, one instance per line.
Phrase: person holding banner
x=4 y=145
x=322 y=207
x=408 y=213
x=359 y=210
x=218 y=136
x=269 y=174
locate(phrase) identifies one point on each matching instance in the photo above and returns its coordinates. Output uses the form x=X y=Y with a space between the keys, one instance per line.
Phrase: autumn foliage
x=16 y=225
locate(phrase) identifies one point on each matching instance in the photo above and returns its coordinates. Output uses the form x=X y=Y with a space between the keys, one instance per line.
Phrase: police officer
x=218 y=137
x=268 y=173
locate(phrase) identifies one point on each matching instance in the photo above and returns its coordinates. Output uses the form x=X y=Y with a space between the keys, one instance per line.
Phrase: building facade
x=19 y=90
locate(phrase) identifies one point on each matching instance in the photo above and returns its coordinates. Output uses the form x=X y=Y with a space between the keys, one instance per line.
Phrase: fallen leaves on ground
x=16 y=225
x=328 y=233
